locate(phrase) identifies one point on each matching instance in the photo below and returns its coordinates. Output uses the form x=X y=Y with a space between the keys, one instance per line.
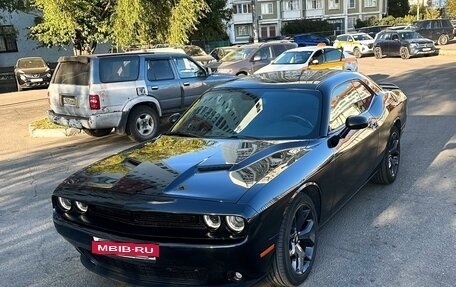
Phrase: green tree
x=398 y=8
x=212 y=25
x=451 y=8
x=126 y=23
x=307 y=26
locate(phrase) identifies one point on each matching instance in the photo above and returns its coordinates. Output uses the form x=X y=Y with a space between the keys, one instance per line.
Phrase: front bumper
x=422 y=51
x=178 y=264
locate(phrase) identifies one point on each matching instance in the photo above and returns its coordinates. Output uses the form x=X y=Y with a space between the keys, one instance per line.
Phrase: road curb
x=52 y=133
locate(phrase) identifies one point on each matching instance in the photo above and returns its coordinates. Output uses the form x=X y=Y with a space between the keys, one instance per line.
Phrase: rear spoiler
x=388 y=86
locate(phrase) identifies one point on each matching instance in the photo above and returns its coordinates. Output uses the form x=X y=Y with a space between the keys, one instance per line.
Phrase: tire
x=19 y=88
x=405 y=53
x=378 y=53
x=357 y=53
x=98 y=132
x=443 y=40
x=297 y=243
x=241 y=74
x=142 y=123
x=389 y=166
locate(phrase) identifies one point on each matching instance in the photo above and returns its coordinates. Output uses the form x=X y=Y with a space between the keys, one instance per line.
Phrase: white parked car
x=359 y=44
x=313 y=58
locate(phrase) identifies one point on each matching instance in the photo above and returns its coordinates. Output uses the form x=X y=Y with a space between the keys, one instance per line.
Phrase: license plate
x=69 y=100
x=36 y=80
x=125 y=249
x=426 y=49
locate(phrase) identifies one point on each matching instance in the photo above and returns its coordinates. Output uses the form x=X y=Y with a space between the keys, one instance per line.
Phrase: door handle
x=186 y=84
x=154 y=88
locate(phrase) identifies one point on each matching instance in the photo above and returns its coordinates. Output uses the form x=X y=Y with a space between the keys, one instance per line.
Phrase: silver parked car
x=128 y=92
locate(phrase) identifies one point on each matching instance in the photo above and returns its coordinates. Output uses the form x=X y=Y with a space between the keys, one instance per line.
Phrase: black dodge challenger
x=236 y=191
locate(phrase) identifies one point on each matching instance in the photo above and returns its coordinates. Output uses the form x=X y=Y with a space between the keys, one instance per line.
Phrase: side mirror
x=256 y=58
x=351 y=123
x=174 y=117
x=315 y=62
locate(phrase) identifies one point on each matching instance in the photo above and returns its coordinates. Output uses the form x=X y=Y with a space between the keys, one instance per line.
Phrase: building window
x=8 y=39
x=267 y=8
x=351 y=4
x=351 y=22
x=314 y=4
x=370 y=3
x=333 y=4
x=242 y=30
x=268 y=31
x=242 y=9
x=291 y=5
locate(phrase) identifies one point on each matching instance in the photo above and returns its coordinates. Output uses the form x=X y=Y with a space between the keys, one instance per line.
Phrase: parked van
x=128 y=92
x=247 y=59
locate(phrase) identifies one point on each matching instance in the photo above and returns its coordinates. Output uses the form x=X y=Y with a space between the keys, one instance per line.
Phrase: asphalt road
x=398 y=235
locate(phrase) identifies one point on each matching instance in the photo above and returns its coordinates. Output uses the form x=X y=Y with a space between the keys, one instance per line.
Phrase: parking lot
x=398 y=235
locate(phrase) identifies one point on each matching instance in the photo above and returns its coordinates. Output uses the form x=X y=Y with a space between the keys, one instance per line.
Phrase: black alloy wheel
x=405 y=53
x=389 y=167
x=378 y=53
x=297 y=243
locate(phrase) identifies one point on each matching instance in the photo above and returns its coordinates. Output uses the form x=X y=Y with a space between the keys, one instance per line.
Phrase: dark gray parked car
x=404 y=43
x=129 y=92
x=32 y=72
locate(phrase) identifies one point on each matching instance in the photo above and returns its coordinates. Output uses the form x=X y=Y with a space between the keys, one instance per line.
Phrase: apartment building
x=260 y=19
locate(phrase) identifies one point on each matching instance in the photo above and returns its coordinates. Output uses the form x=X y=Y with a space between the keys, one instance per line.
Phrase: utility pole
x=345 y=3
x=254 y=22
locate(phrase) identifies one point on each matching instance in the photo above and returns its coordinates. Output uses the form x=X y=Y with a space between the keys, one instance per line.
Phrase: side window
x=342 y=38
x=344 y=103
x=158 y=70
x=264 y=53
x=333 y=55
x=278 y=49
x=365 y=96
x=318 y=55
x=387 y=36
x=395 y=37
x=188 y=69
x=119 y=69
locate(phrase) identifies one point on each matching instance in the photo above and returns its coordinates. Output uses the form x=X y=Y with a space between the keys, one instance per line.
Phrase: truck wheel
x=98 y=132
x=142 y=123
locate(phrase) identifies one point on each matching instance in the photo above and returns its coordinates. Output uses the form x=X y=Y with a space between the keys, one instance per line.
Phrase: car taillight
x=94 y=101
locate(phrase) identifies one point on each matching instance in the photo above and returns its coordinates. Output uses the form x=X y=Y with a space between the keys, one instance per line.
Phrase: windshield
x=362 y=37
x=239 y=54
x=410 y=35
x=31 y=63
x=253 y=113
x=194 y=51
x=293 y=57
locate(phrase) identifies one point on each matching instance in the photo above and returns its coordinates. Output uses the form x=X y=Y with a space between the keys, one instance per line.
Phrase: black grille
x=147 y=219
x=149 y=271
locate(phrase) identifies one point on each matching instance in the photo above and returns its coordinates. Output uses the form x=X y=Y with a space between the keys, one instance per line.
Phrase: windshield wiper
x=244 y=137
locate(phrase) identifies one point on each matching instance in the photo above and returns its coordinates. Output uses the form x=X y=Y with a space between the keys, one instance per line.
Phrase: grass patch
x=45 y=123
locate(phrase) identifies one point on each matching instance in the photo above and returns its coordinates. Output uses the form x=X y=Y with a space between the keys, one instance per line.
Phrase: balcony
x=242 y=18
x=291 y=15
x=314 y=13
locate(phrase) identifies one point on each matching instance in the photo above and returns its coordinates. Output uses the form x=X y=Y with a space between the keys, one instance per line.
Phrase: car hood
x=366 y=42
x=281 y=67
x=33 y=70
x=420 y=41
x=217 y=170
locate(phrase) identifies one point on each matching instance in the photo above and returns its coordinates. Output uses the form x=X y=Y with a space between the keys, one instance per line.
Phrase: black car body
x=403 y=43
x=238 y=187
x=373 y=30
x=438 y=30
x=32 y=72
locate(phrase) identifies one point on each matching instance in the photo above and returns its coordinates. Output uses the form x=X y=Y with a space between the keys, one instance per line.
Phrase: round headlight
x=82 y=207
x=64 y=204
x=212 y=221
x=235 y=223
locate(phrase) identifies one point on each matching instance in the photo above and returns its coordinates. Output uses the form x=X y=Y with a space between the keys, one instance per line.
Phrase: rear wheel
x=98 y=132
x=142 y=123
x=357 y=53
x=378 y=53
x=443 y=40
x=297 y=243
x=389 y=166
x=405 y=53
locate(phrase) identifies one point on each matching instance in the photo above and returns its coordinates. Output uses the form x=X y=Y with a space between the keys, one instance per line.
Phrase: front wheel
x=389 y=166
x=98 y=132
x=142 y=123
x=405 y=53
x=297 y=243
x=378 y=53
x=357 y=53
x=443 y=40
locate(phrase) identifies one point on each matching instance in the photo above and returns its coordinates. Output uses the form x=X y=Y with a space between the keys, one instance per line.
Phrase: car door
x=355 y=155
x=394 y=45
x=163 y=84
x=192 y=79
x=261 y=58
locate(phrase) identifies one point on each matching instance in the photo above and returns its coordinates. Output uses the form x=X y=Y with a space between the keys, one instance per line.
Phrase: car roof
x=309 y=48
x=84 y=58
